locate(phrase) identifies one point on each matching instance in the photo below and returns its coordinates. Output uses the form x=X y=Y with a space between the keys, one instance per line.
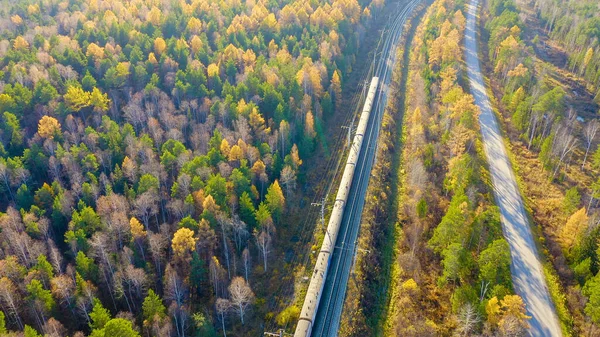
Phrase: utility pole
x=322 y=204
x=348 y=138
x=355 y=256
x=281 y=333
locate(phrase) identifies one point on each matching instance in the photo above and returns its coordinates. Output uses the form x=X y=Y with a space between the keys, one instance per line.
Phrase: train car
x=317 y=281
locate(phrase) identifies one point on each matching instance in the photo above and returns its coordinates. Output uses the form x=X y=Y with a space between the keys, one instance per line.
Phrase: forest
x=451 y=273
x=150 y=153
x=543 y=65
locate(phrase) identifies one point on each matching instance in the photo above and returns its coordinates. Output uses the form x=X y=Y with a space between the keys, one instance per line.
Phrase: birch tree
x=241 y=296
x=589 y=134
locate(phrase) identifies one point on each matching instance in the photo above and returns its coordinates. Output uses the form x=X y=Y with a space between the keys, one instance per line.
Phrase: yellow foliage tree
x=511 y=308
x=137 y=229
x=152 y=58
x=210 y=205
x=99 y=100
x=20 y=43
x=459 y=20
x=154 y=16
x=258 y=168
x=516 y=99
x=213 y=70
x=336 y=88
x=76 y=98
x=492 y=309
x=48 y=127
x=295 y=156
x=159 y=45
x=194 y=25
x=95 y=51
x=514 y=305
x=573 y=229
x=235 y=153
x=309 y=125
x=16 y=20
x=586 y=59
x=196 y=44
x=129 y=168
x=33 y=9
x=519 y=71
x=225 y=148
x=270 y=23
x=183 y=242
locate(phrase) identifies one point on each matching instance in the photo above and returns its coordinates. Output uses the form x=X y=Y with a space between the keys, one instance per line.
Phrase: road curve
x=527 y=274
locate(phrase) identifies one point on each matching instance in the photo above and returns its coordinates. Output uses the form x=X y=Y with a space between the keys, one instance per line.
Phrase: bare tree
x=112 y=209
x=146 y=207
x=158 y=243
x=246 y=260
x=225 y=222
x=5 y=177
x=54 y=328
x=288 y=180
x=468 y=319
x=564 y=144
x=589 y=133
x=176 y=292
x=222 y=306
x=9 y=297
x=103 y=251
x=511 y=326
x=63 y=289
x=263 y=241
x=239 y=229
x=54 y=255
x=241 y=296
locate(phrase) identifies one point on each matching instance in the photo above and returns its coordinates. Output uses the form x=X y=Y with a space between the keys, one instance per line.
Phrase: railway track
x=321 y=313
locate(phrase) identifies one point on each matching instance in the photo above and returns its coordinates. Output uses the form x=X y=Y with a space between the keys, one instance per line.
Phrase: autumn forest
x=150 y=152
x=162 y=164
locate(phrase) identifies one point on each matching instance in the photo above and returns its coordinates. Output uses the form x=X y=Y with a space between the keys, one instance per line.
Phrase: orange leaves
x=519 y=71
x=48 y=127
x=95 y=51
x=309 y=125
x=336 y=88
